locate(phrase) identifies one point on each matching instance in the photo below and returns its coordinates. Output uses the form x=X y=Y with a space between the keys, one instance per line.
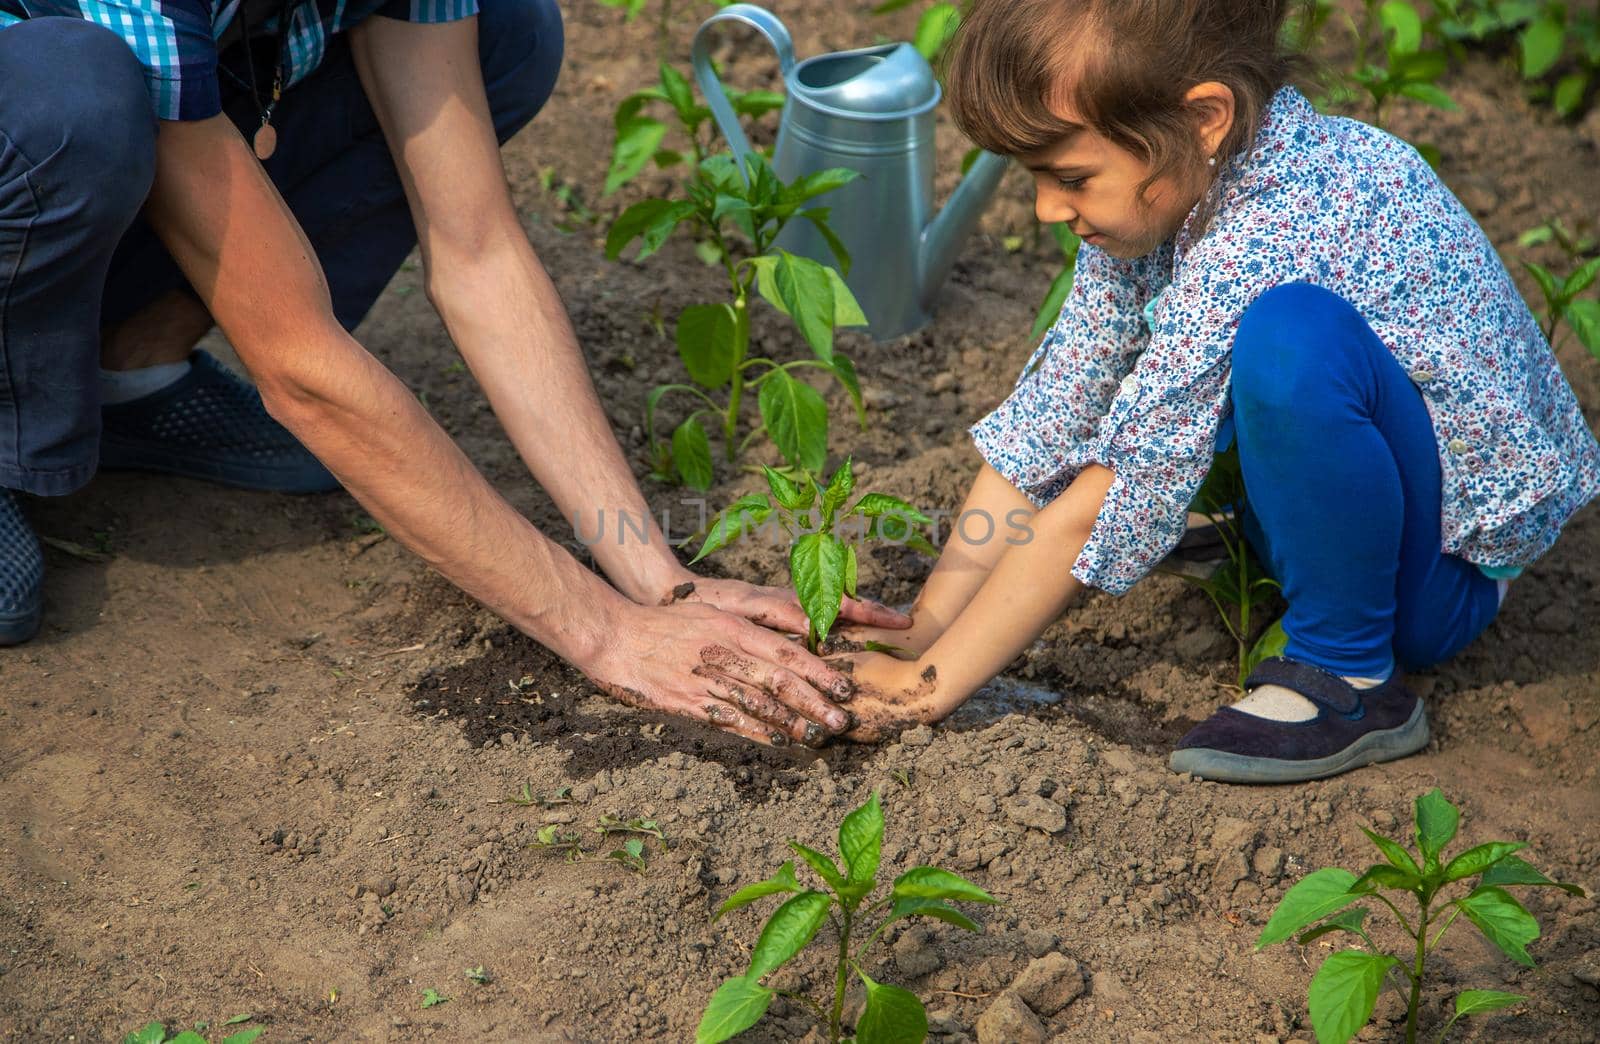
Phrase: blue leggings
x=1341 y=470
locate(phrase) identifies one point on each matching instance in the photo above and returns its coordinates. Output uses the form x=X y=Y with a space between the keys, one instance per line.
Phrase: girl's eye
x=1071 y=184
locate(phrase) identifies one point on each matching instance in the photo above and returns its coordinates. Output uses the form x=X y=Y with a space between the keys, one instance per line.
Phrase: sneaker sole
x=1370 y=749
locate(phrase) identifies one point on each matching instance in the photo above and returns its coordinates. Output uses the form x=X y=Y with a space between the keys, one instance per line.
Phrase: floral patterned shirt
x=1134 y=375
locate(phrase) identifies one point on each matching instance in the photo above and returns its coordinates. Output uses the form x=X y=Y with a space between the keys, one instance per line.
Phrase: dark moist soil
x=260 y=760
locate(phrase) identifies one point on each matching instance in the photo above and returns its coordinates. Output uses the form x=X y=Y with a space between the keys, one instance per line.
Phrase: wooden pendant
x=266 y=142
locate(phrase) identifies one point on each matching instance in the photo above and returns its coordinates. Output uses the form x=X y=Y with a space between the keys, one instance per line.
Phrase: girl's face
x=1092 y=185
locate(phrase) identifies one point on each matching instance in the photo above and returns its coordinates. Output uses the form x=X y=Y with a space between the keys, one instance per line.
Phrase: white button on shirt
x=1458 y=446
x=1421 y=376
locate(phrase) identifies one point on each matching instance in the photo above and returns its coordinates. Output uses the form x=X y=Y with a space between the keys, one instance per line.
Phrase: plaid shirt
x=176 y=40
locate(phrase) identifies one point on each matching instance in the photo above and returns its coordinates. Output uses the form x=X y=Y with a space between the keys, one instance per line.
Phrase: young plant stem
x=741 y=340
x=1415 y=1005
x=841 y=980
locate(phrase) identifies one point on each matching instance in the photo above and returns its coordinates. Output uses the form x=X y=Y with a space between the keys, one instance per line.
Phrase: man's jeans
x=77 y=156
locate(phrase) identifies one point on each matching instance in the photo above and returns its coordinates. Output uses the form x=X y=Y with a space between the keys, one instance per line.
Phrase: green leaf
x=1054 y=300
x=876 y=505
x=1569 y=93
x=786 y=493
x=1392 y=851
x=787 y=932
x=782 y=881
x=846 y=309
x=892 y=1015
x=1343 y=992
x=1349 y=920
x=1310 y=900
x=691 y=452
x=755 y=103
x=1437 y=820
x=816 y=568
x=1503 y=920
x=930 y=882
x=1546 y=280
x=861 y=840
x=891 y=5
x=1403 y=26
x=742 y=213
x=1514 y=871
x=810 y=186
x=1541 y=44
x=904 y=908
x=652 y=220
x=708 y=343
x=676 y=87
x=1477 y=860
x=1581 y=279
x=638 y=138
x=1584 y=317
x=153 y=1033
x=796 y=419
x=807 y=295
x=737 y=1005
x=187 y=1037
x=1429 y=94
x=840 y=486
x=845 y=370
x=432 y=997
x=934 y=29
x=818 y=216
x=1475 y=1002
x=1273 y=641
x=821 y=864
x=244 y=1036
x=851 y=568
x=1385 y=876
x=733 y=522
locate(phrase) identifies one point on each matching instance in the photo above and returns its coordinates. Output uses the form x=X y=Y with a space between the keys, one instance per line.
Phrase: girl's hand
x=891 y=695
x=906 y=644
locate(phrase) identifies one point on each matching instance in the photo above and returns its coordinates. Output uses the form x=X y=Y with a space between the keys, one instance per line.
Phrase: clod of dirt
x=915 y=954
x=1037 y=813
x=1050 y=983
x=1008 y=1021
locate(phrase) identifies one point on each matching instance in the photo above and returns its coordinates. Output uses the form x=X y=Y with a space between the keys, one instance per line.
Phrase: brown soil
x=259 y=760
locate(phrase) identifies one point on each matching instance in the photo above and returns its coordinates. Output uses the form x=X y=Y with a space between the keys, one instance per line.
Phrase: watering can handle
x=767 y=24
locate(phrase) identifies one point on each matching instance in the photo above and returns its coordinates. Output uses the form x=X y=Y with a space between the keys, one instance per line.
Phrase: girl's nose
x=1050 y=208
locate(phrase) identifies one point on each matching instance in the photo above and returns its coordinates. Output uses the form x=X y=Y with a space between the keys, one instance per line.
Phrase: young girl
x=1250 y=269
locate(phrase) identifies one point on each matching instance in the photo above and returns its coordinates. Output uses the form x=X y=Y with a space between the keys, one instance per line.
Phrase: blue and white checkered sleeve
x=172 y=40
x=429 y=10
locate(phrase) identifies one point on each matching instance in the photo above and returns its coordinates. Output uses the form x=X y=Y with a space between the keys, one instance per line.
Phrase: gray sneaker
x=21 y=574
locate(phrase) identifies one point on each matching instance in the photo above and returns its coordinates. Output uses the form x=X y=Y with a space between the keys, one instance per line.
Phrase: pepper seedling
x=822 y=567
x=890 y=1015
x=1345 y=988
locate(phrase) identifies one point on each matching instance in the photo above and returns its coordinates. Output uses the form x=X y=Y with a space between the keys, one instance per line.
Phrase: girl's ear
x=1212 y=104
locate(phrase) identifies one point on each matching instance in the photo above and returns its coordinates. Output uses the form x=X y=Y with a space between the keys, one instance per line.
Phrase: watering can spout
x=943 y=236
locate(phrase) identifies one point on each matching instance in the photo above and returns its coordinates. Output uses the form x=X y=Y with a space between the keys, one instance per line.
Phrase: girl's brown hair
x=1121 y=66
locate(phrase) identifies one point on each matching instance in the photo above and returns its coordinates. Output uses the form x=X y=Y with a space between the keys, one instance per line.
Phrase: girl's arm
x=995 y=512
x=1027 y=588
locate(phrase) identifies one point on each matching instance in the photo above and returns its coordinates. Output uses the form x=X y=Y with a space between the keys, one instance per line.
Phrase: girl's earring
x=1212 y=162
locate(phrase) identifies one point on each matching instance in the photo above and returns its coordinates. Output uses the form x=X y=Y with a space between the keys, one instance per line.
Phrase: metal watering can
x=870 y=110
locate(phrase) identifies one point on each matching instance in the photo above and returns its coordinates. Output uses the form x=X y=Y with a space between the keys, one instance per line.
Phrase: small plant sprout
x=478 y=977
x=889 y=1014
x=432 y=997
x=1565 y=303
x=553 y=837
x=822 y=567
x=1345 y=987
x=1241 y=584
x=156 y=1033
x=1400 y=66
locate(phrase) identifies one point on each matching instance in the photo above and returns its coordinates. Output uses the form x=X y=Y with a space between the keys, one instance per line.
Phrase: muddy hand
x=891 y=695
x=776 y=607
x=697 y=662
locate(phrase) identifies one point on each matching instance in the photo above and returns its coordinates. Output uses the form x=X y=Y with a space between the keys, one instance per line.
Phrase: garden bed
x=261 y=761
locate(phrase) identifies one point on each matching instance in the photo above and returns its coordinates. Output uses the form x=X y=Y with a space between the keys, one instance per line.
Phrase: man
x=378 y=124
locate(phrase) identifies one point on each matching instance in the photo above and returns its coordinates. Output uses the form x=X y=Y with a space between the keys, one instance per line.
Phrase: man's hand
x=777 y=607
x=695 y=661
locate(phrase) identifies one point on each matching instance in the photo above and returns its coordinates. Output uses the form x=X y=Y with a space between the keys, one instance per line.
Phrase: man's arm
x=504 y=314
x=239 y=246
